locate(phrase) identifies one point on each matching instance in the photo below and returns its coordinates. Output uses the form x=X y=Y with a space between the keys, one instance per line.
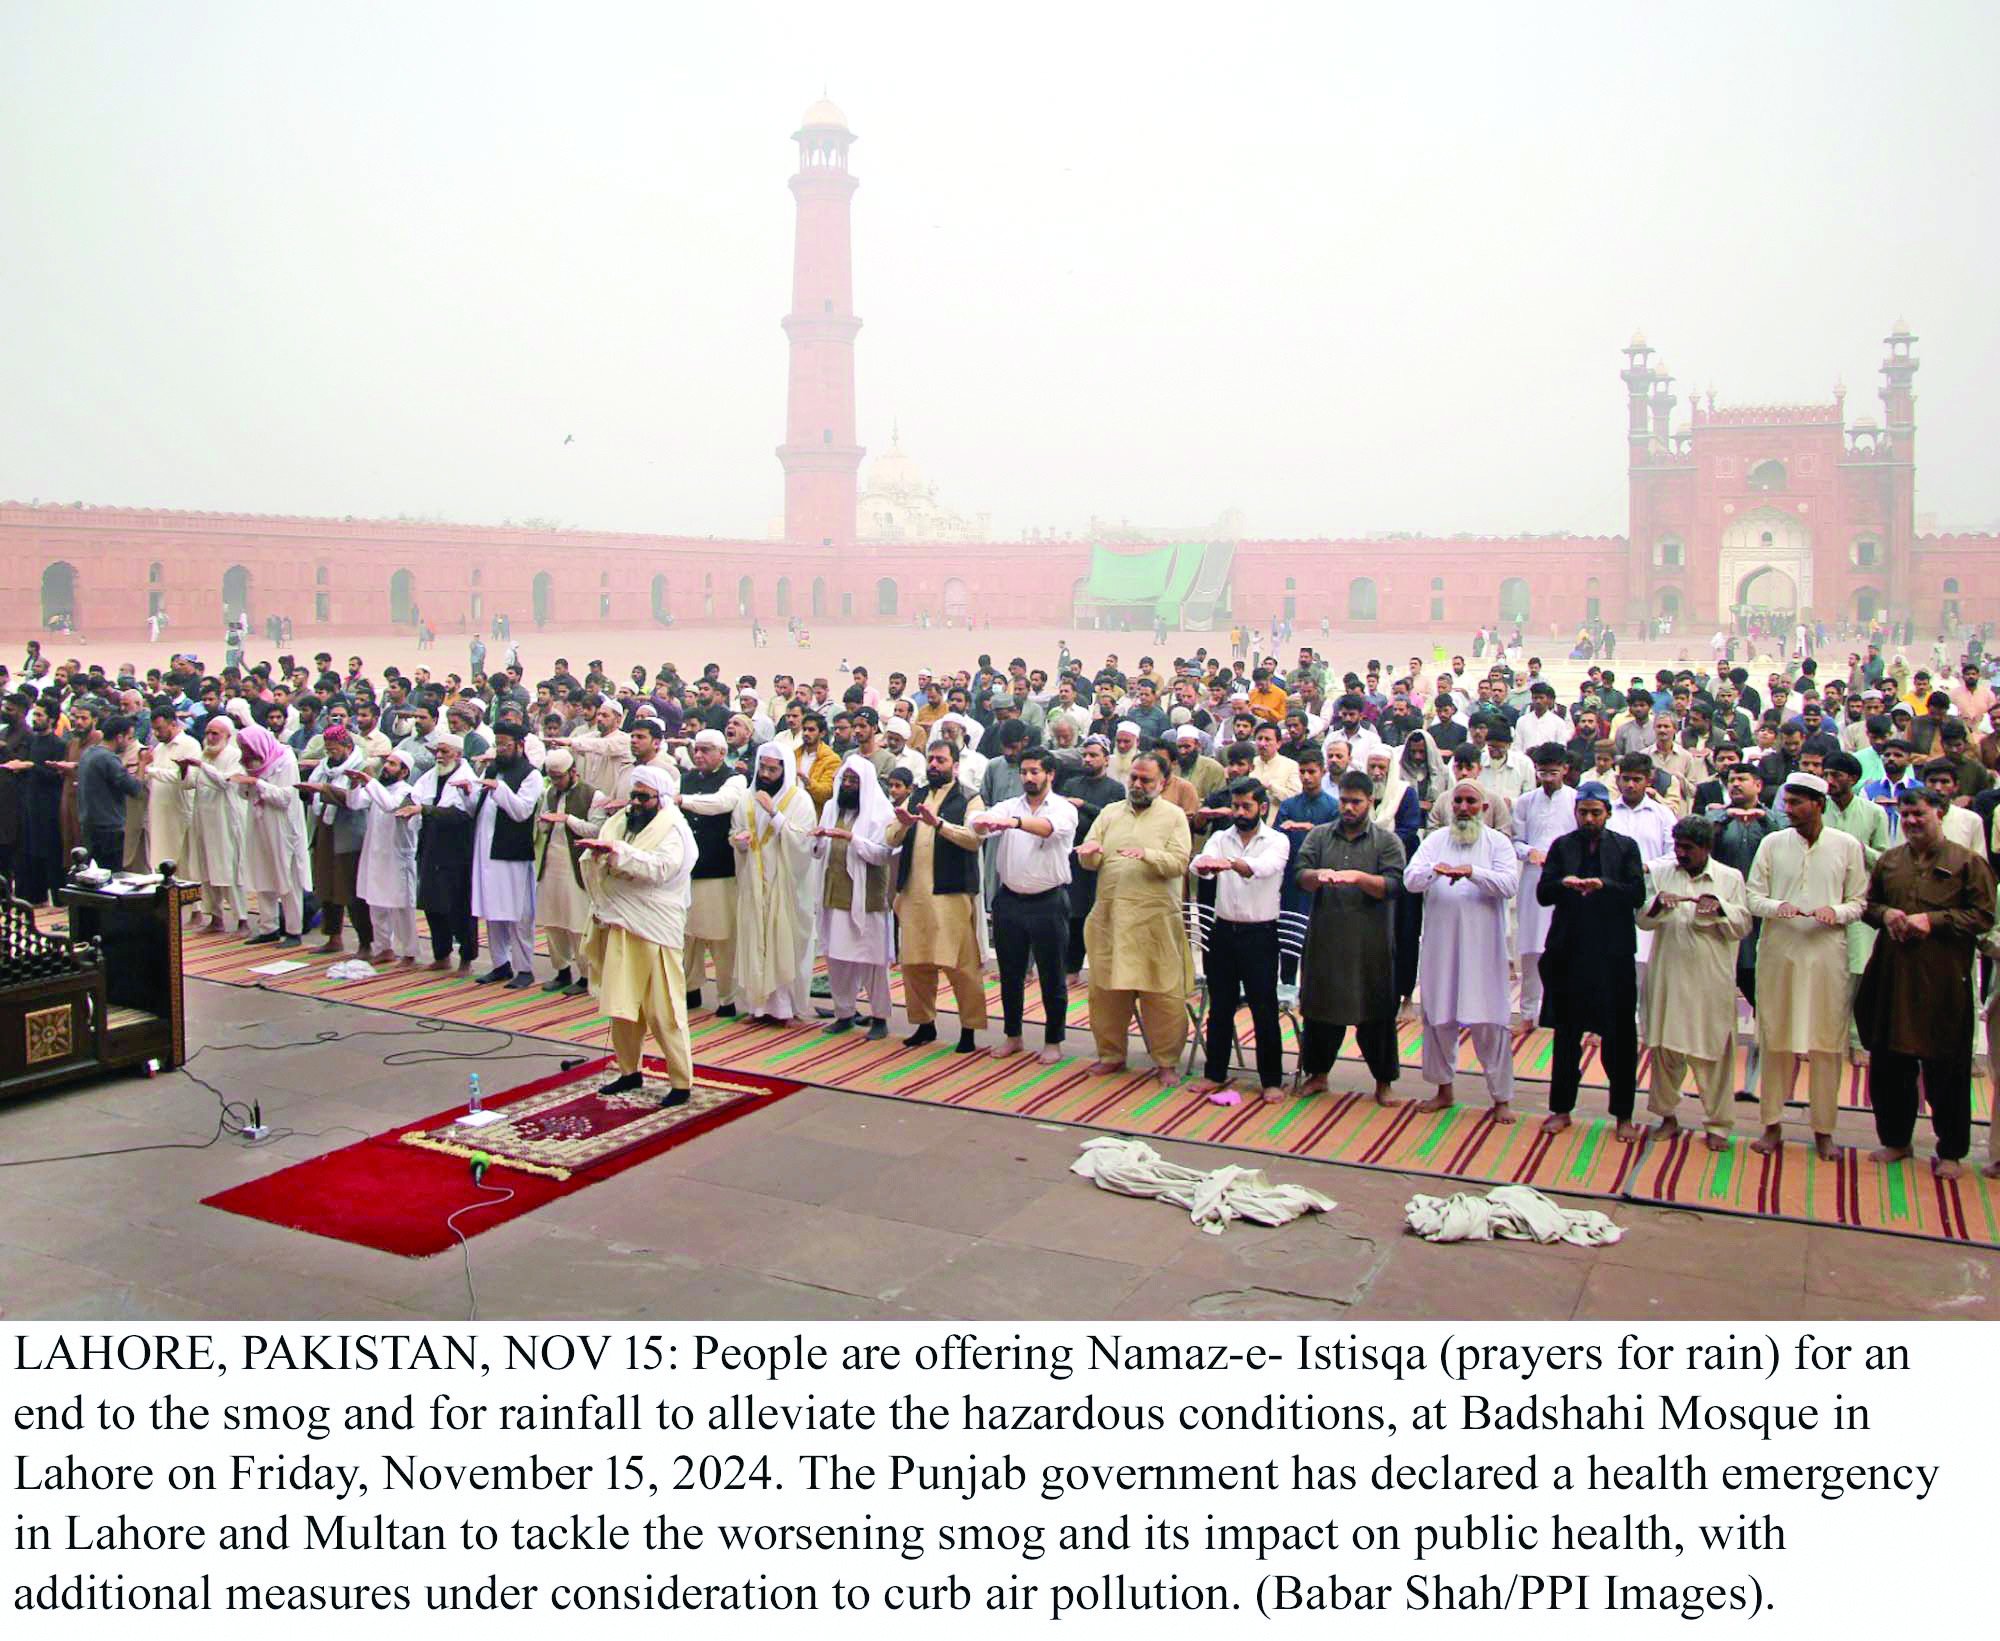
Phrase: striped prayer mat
x=451 y=996
x=1463 y=1143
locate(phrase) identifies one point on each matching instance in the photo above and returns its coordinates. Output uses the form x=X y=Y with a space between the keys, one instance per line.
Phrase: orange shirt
x=1268 y=702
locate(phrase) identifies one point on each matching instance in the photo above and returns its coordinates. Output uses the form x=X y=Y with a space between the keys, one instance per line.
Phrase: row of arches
x=1364 y=601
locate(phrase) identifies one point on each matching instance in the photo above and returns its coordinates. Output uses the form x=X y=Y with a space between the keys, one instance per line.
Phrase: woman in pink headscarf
x=275 y=860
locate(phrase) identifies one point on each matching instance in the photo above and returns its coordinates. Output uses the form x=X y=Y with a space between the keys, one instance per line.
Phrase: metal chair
x=1292 y=930
x=1200 y=922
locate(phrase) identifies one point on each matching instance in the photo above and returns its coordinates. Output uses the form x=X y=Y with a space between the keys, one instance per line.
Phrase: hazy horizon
x=1347 y=274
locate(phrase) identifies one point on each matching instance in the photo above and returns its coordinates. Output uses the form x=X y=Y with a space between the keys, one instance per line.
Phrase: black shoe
x=966 y=1041
x=290 y=939
x=726 y=1012
x=622 y=1085
x=579 y=988
x=844 y=1023
x=521 y=982
x=824 y=1014
x=557 y=981
x=674 y=1097
x=269 y=939
x=922 y=1035
x=504 y=972
x=694 y=998
x=877 y=1030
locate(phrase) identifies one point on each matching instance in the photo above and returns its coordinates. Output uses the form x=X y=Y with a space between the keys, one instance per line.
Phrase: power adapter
x=256 y=1128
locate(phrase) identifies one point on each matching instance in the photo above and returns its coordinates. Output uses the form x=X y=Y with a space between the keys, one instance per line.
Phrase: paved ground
x=829 y=1205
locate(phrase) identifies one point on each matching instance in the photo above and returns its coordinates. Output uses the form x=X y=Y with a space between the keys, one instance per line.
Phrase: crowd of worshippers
x=1477 y=853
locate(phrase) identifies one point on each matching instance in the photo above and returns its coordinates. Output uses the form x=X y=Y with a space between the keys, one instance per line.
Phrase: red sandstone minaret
x=1899 y=406
x=819 y=455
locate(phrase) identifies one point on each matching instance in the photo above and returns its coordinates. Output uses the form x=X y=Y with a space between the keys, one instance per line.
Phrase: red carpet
x=394 y=1195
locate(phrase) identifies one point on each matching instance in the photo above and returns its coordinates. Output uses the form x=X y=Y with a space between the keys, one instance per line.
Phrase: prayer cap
x=1594 y=792
x=1187 y=732
x=557 y=760
x=712 y=737
x=1807 y=783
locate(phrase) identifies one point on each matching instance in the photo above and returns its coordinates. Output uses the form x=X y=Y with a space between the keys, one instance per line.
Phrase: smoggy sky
x=1345 y=270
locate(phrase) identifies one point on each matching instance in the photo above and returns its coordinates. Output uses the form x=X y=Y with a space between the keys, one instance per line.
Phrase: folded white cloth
x=1135 y=1169
x=355 y=968
x=1508 y=1211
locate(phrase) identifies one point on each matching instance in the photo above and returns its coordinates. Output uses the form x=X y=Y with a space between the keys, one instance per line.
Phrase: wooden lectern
x=106 y=997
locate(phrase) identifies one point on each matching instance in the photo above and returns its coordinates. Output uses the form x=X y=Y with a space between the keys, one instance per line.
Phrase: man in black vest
x=445 y=796
x=503 y=857
x=937 y=893
x=711 y=788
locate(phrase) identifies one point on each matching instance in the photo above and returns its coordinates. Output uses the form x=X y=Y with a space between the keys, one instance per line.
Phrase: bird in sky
x=569 y=438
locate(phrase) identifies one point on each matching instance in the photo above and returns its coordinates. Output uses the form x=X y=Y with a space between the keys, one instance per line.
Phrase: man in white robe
x=856 y=909
x=276 y=861
x=503 y=858
x=1639 y=814
x=1540 y=817
x=772 y=837
x=1698 y=915
x=386 y=877
x=1468 y=875
x=214 y=846
x=1807 y=884
x=638 y=874
x=169 y=764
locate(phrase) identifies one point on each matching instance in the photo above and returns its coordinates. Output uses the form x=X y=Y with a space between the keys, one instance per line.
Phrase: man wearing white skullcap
x=710 y=792
x=1125 y=745
x=1808 y=882
x=445 y=797
x=638 y=876
x=562 y=904
x=386 y=877
x=772 y=836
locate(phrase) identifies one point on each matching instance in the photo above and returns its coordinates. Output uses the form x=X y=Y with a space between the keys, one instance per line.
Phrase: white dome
x=893 y=473
x=824 y=113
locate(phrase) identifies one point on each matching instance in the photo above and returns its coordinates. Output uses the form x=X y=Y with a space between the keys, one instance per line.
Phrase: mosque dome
x=894 y=474
x=824 y=112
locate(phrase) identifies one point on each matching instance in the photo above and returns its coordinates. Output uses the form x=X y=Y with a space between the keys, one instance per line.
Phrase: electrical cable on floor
x=500 y=1194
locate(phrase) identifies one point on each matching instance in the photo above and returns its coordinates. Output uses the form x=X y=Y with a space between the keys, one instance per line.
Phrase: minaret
x=1899 y=408
x=819 y=455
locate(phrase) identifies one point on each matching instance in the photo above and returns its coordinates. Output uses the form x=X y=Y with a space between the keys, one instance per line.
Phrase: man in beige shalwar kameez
x=1697 y=915
x=937 y=900
x=638 y=879
x=1139 y=957
x=1807 y=883
x=562 y=904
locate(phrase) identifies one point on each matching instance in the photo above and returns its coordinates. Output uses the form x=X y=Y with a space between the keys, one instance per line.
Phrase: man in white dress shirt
x=1540 y=817
x=1641 y=816
x=1247 y=859
x=1468 y=876
x=1030 y=911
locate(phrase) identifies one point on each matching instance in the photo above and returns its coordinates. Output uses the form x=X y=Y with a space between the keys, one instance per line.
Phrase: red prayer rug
x=395 y=1190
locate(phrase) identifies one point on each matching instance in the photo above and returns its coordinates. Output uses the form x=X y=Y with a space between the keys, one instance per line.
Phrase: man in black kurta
x=1091 y=791
x=1352 y=872
x=1595 y=882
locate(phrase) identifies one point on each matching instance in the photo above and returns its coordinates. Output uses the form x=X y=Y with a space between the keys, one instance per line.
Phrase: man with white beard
x=774 y=892
x=1468 y=876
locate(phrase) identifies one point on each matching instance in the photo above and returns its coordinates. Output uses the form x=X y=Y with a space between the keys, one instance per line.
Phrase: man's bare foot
x=1442 y=1100
x=1767 y=1144
x=1555 y=1122
x=1107 y=1068
x=1890 y=1153
x=1166 y=1076
x=1628 y=1131
x=1313 y=1085
x=1050 y=1054
x=1857 y=1056
x=1668 y=1127
x=1502 y=1112
x=1825 y=1149
x=1207 y=1085
x=1716 y=1142
x=1992 y=1169
x=1384 y=1097
x=1945 y=1168
x=1005 y=1049
x=439 y=966
x=1273 y=1096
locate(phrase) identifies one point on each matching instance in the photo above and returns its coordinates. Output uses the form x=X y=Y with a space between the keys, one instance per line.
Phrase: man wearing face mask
x=562 y=904
x=638 y=877
x=503 y=858
x=1032 y=835
x=1139 y=957
x=1247 y=860
x=852 y=838
x=937 y=889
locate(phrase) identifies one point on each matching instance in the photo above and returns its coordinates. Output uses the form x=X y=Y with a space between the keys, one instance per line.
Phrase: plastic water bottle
x=472 y=1093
